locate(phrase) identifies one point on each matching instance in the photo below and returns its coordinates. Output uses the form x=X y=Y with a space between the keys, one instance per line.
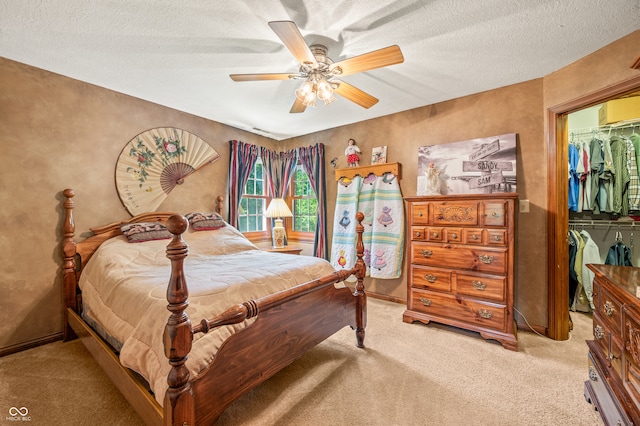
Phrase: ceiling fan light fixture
x=324 y=90
x=307 y=93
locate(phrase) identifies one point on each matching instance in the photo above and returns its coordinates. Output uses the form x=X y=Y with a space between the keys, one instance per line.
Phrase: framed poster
x=379 y=155
x=476 y=166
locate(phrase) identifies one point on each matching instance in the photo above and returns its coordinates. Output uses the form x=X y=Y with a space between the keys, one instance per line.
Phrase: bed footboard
x=287 y=324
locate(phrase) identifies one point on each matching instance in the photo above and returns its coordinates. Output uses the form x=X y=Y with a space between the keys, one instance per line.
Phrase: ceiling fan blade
x=356 y=95
x=254 y=77
x=297 y=106
x=293 y=40
x=377 y=59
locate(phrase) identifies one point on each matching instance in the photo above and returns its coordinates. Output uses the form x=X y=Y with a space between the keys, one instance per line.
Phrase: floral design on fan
x=169 y=149
x=145 y=159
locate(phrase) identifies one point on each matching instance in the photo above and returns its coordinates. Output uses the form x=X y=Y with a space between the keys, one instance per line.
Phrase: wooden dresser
x=461 y=269
x=614 y=353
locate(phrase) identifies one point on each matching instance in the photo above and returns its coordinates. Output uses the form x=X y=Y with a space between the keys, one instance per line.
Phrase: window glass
x=253 y=203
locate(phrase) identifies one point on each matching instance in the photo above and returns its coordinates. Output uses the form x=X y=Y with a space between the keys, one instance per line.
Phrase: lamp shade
x=278 y=208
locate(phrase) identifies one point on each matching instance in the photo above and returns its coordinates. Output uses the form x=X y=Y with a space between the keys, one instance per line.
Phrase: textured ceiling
x=180 y=54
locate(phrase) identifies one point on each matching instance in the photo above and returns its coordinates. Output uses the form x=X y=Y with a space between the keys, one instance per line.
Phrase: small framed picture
x=379 y=155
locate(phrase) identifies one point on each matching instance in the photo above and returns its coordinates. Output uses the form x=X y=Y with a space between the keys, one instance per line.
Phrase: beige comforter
x=124 y=289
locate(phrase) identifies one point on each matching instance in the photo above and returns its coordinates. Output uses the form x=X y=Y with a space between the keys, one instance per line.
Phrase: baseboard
x=8 y=350
x=386 y=297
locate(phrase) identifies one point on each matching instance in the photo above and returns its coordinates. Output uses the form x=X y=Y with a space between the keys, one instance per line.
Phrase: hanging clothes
x=619 y=253
x=633 y=192
x=573 y=278
x=590 y=254
x=574 y=181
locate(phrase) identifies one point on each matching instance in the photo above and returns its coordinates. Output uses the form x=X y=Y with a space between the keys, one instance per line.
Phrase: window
x=253 y=204
x=301 y=200
x=304 y=206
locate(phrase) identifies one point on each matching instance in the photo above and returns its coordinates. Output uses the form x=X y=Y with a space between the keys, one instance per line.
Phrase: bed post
x=69 y=278
x=178 y=335
x=361 y=270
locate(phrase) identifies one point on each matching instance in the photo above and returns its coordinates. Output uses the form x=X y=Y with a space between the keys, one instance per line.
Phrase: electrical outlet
x=524 y=206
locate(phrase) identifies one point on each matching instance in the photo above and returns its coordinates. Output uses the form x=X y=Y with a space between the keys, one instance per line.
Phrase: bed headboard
x=76 y=255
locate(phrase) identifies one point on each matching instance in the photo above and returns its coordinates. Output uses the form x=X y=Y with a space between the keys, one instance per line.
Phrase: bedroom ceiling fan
x=320 y=73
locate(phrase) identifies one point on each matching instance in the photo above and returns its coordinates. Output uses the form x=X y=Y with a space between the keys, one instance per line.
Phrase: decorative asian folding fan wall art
x=154 y=162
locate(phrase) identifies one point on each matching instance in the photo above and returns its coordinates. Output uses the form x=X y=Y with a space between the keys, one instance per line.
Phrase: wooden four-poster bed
x=259 y=336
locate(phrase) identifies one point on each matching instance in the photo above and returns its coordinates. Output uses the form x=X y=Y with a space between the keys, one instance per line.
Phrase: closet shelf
x=364 y=171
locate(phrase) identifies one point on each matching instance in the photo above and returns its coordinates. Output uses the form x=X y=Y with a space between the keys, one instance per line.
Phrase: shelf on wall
x=364 y=171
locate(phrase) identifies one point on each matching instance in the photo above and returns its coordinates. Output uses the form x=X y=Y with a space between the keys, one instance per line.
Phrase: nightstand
x=285 y=249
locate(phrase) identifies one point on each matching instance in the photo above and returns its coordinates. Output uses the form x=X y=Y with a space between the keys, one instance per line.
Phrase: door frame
x=557 y=202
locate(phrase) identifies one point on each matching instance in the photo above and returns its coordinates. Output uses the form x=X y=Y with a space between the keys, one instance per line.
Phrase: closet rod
x=606 y=223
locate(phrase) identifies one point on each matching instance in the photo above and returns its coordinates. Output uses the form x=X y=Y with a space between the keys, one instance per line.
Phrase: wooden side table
x=285 y=249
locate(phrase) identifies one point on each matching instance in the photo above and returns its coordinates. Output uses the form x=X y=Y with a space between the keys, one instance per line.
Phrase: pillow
x=205 y=221
x=145 y=231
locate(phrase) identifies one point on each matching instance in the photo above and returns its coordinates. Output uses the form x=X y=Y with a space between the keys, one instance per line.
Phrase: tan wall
x=59 y=133
x=513 y=109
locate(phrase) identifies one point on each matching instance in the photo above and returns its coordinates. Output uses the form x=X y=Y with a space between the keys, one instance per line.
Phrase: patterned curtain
x=242 y=158
x=279 y=167
x=312 y=159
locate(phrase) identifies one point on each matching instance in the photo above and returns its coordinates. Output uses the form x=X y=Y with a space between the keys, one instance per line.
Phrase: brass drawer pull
x=608 y=308
x=485 y=259
x=479 y=285
x=435 y=235
x=497 y=238
x=430 y=277
x=494 y=214
x=419 y=214
x=425 y=302
x=485 y=313
x=454 y=236
x=474 y=237
x=426 y=253
x=598 y=332
x=592 y=373
x=418 y=234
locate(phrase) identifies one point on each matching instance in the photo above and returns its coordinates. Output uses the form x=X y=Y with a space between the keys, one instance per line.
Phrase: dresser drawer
x=430 y=278
x=454 y=213
x=490 y=260
x=418 y=233
x=453 y=235
x=420 y=213
x=600 y=397
x=490 y=287
x=461 y=309
x=497 y=237
x=435 y=234
x=472 y=236
x=495 y=213
x=609 y=345
x=609 y=309
x=631 y=339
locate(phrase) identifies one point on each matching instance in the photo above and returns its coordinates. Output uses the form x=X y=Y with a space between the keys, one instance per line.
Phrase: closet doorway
x=558 y=212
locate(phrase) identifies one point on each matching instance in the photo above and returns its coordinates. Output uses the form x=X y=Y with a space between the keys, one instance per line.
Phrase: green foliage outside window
x=305 y=204
x=252 y=204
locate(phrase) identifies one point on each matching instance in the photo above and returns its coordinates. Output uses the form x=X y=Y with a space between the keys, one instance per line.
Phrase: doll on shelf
x=352 y=151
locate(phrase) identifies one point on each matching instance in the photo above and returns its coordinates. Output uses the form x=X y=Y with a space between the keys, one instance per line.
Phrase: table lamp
x=278 y=209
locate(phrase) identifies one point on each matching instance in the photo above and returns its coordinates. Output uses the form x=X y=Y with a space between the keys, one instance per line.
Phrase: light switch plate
x=524 y=206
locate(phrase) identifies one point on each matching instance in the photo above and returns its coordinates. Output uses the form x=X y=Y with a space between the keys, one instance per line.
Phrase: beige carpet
x=409 y=374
